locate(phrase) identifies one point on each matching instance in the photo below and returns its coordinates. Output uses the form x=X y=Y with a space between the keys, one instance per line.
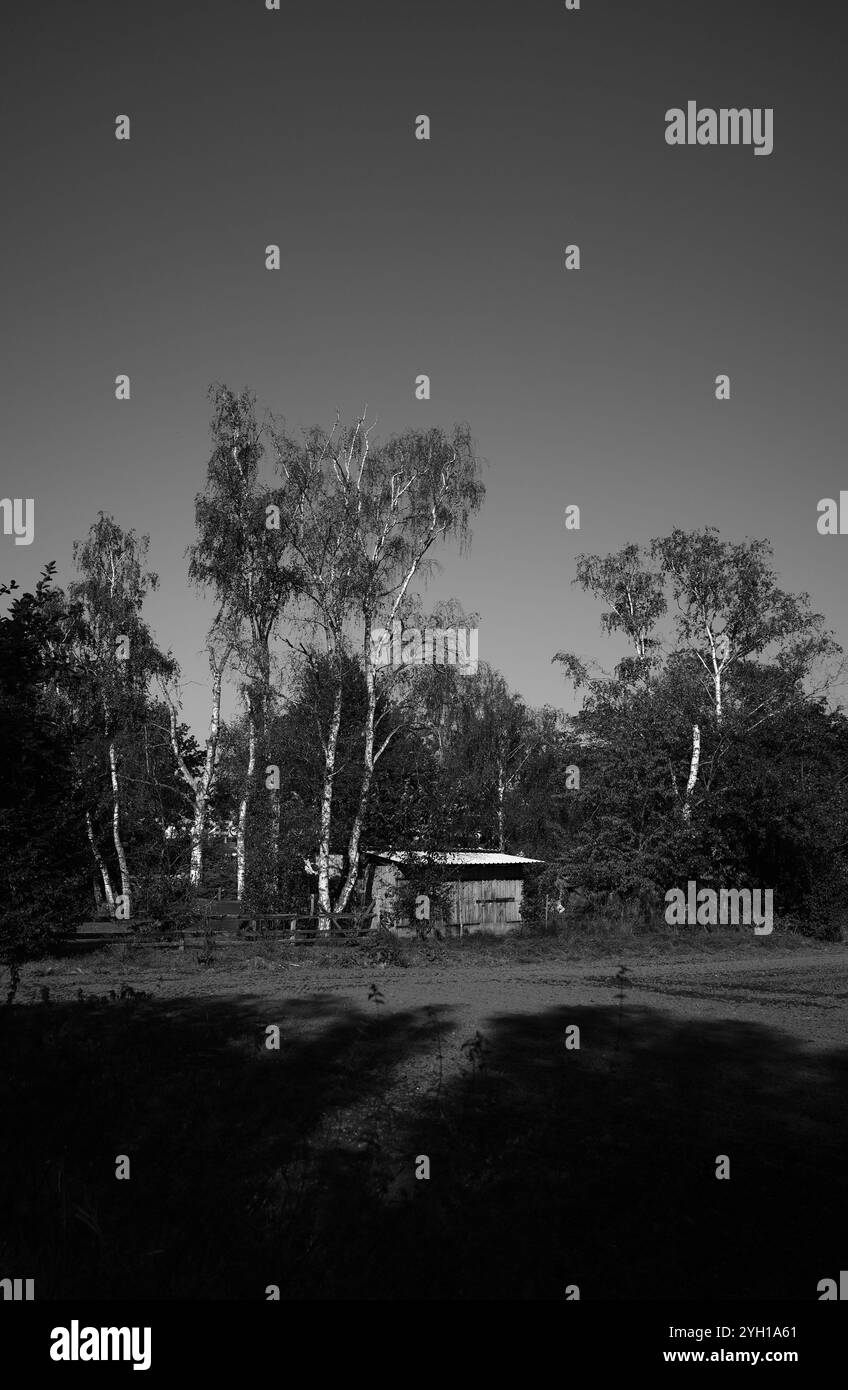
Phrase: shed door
x=495 y=902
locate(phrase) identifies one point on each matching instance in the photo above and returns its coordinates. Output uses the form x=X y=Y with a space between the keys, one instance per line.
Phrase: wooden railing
x=230 y=922
x=286 y=926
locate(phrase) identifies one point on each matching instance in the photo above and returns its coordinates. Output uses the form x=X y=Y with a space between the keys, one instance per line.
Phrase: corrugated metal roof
x=454 y=856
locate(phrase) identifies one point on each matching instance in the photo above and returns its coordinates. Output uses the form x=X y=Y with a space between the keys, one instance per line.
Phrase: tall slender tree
x=239 y=555
x=121 y=655
x=730 y=610
x=201 y=781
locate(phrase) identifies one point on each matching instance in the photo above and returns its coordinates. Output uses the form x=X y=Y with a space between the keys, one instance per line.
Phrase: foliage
x=43 y=855
x=764 y=801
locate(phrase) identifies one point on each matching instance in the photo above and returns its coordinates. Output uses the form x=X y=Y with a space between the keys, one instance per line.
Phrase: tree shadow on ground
x=229 y=1142
x=549 y=1166
x=597 y=1168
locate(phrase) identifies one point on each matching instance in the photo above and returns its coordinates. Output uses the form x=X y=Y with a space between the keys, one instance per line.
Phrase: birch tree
x=632 y=591
x=121 y=656
x=238 y=555
x=730 y=610
x=200 y=784
x=364 y=520
x=317 y=505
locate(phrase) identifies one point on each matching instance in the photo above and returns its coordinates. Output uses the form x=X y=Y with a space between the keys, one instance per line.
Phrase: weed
x=624 y=983
x=476 y=1049
x=375 y=995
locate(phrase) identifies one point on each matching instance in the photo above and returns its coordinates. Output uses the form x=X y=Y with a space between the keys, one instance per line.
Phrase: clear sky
x=401 y=257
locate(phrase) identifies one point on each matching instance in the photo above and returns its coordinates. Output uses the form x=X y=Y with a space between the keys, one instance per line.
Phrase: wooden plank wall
x=491 y=902
x=476 y=902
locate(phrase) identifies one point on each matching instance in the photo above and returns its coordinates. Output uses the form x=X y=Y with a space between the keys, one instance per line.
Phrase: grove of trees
x=713 y=747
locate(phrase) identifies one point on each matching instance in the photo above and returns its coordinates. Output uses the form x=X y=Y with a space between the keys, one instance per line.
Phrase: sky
x=401 y=256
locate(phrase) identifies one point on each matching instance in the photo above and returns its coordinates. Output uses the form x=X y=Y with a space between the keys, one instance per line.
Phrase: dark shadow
x=548 y=1166
x=597 y=1167
x=230 y=1144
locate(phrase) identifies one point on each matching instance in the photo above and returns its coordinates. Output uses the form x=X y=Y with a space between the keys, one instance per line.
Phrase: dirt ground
x=799 y=987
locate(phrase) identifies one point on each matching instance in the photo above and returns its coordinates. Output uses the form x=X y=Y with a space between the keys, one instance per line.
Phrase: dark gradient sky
x=401 y=257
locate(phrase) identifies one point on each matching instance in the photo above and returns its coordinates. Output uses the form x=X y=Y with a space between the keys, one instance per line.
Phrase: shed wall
x=475 y=902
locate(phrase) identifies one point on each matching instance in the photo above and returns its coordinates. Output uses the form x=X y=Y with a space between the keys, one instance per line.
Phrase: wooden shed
x=478 y=890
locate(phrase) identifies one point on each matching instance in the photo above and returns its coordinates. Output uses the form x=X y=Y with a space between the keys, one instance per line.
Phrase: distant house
x=334 y=866
x=480 y=890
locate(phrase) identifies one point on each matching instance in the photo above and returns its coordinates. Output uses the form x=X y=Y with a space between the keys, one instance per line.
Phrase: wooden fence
x=222 y=922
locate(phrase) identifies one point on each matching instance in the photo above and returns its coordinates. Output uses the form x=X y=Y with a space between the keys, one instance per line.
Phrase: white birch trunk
x=241 y=839
x=207 y=778
x=198 y=832
x=116 y=830
x=693 y=771
x=365 y=787
x=271 y=803
x=200 y=786
x=327 y=810
x=101 y=862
